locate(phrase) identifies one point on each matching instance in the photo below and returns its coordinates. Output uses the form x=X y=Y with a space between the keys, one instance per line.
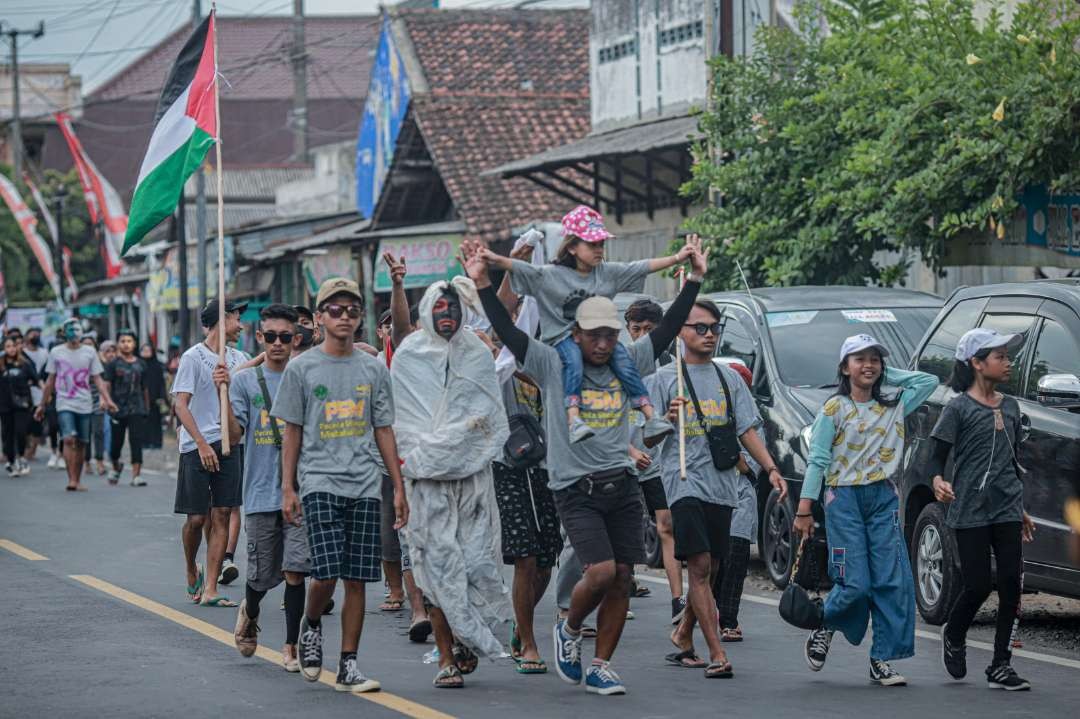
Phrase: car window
x=939 y=354
x=736 y=340
x=1012 y=324
x=1055 y=353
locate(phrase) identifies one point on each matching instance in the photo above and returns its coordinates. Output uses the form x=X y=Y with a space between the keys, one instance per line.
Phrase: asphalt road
x=97 y=625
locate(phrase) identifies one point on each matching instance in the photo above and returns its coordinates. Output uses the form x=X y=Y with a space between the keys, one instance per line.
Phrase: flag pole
x=679 y=389
x=223 y=391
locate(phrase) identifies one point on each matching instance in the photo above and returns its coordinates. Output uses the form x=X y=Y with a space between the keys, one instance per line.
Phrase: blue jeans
x=869 y=566
x=74 y=424
x=622 y=366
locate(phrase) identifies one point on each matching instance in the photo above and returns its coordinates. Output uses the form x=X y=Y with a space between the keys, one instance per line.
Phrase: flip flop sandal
x=515 y=643
x=686 y=659
x=194 y=593
x=445 y=675
x=420 y=631
x=531 y=666
x=392 y=605
x=219 y=601
x=465 y=659
x=719 y=670
x=640 y=590
x=731 y=635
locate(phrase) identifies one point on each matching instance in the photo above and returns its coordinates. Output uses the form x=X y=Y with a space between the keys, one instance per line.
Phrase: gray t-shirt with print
x=262 y=481
x=559 y=290
x=978 y=446
x=604 y=407
x=637 y=436
x=703 y=480
x=74 y=370
x=339 y=402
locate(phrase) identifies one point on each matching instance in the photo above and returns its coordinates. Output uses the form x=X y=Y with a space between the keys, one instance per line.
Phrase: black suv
x=1045 y=383
x=790 y=338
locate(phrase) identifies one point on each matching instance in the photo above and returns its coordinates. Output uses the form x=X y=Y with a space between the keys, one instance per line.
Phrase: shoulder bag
x=722 y=440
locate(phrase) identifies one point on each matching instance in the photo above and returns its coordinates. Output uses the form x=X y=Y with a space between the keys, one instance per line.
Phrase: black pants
x=974 y=546
x=15 y=425
x=130 y=426
x=728 y=586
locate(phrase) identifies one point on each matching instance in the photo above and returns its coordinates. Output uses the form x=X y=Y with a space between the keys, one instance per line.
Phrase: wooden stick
x=223 y=392
x=679 y=389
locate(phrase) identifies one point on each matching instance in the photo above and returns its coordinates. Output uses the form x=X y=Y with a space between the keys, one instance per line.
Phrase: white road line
x=921 y=633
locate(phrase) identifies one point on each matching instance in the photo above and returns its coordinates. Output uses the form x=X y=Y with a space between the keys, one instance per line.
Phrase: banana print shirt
x=855 y=443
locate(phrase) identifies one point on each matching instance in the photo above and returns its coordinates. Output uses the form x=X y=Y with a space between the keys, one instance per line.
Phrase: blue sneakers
x=601 y=680
x=567 y=654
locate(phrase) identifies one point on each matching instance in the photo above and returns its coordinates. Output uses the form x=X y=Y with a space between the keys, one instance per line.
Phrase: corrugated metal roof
x=249 y=182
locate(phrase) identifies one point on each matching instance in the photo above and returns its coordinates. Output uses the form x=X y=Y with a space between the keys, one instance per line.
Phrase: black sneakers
x=881 y=673
x=816 y=649
x=953 y=655
x=351 y=679
x=310 y=651
x=1002 y=676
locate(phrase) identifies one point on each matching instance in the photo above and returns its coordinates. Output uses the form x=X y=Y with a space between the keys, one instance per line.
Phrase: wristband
x=804 y=515
x=772 y=469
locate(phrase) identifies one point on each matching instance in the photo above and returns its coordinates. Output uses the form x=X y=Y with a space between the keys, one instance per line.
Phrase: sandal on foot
x=420 y=631
x=465 y=659
x=194 y=592
x=687 y=659
x=640 y=590
x=218 y=601
x=531 y=666
x=731 y=634
x=515 y=643
x=392 y=605
x=719 y=670
x=449 y=677
x=587 y=631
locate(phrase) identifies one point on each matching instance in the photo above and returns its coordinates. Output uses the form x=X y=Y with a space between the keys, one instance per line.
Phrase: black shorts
x=197 y=490
x=604 y=525
x=700 y=527
x=653 y=492
x=530 y=523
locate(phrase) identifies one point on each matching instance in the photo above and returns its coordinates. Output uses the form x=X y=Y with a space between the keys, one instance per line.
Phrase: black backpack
x=525 y=447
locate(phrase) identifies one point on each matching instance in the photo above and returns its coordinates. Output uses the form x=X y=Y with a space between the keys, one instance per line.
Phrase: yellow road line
x=385 y=699
x=21 y=551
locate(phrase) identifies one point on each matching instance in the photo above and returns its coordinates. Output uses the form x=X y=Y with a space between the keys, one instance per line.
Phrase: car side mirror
x=1060 y=391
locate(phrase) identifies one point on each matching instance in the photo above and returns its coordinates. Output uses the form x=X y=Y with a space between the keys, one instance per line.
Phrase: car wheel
x=654 y=555
x=933 y=555
x=776 y=539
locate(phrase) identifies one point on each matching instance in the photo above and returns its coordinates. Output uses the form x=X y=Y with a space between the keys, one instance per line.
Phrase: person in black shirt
x=154 y=381
x=125 y=374
x=17 y=376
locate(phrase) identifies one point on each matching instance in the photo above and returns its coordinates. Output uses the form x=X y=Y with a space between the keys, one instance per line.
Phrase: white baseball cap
x=858 y=343
x=981 y=338
x=597 y=312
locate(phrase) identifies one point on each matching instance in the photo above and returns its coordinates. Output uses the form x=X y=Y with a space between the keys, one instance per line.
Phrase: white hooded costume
x=450 y=425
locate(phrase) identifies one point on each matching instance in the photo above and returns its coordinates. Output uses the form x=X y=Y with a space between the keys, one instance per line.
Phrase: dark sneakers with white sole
x=816 y=649
x=881 y=673
x=1003 y=676
x=953 y=655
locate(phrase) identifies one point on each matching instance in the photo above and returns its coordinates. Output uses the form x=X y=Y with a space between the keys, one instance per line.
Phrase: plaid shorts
x=343 y=535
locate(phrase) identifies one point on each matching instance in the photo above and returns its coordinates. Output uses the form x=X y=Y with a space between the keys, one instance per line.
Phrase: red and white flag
x=102 y=200
x=28 y=224
x=54 y=233
x=69 y=276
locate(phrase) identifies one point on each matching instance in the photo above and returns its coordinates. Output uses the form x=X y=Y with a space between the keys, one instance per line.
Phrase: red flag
x=102 y=201
x=28 y=224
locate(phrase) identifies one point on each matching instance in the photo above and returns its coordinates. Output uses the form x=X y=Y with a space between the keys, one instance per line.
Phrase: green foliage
x=906 y=126
x=25 y=280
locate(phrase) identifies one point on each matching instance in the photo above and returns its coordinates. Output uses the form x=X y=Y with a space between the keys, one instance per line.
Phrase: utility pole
x=16 y=128
x=59 y=196
x=299 y=63
x=200 y=193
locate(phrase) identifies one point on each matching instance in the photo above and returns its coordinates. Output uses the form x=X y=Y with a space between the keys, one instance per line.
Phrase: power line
x=97 y=34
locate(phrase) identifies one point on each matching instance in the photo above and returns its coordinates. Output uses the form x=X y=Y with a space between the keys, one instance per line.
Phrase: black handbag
x=526 y=446
x=797 y=607
x=722 y=440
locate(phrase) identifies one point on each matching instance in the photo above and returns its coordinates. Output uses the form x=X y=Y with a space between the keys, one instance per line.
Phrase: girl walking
x=17 y=376
x=981 y=428
x=855 y=447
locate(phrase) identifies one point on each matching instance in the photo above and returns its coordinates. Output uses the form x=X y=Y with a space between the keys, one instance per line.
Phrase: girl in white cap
x=856 y=444
x=981 y=427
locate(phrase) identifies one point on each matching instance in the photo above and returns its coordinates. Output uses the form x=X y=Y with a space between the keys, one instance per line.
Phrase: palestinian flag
x=185 y=128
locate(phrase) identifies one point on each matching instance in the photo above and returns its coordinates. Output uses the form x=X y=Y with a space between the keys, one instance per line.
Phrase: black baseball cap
x=209 y=314
x=304 y=312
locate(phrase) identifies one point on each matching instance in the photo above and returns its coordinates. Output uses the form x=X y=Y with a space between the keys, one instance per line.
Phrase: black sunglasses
x=702 y=328
x=336 y=310
x=271 y=337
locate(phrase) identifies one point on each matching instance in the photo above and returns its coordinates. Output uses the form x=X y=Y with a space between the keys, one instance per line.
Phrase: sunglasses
x=336 y=311
x=702 y=329
x=271 y=337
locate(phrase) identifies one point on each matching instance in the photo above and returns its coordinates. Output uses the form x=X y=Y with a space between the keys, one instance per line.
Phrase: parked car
x=1045 y=383
x=790 y=337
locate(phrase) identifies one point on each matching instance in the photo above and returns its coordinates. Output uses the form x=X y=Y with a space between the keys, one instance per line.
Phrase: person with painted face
x=126 y=375
x=17 y=377
x=450 y=425
x=71 y=368
x=856 y=447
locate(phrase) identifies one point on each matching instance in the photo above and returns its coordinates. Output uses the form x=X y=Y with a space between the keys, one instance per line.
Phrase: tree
x=906 y=126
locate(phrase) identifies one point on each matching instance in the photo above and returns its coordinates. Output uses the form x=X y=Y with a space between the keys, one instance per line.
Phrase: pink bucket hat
x=586 y=223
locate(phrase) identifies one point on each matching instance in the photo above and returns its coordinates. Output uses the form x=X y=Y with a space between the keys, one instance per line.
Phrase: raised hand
x=699 y=256
x=397 y=267
x=474 y=263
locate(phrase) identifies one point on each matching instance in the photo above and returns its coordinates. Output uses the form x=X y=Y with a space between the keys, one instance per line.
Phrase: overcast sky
x=99 y=37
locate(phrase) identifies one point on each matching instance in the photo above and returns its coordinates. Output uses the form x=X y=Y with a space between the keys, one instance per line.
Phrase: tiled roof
x=254 y=59
x=503 y=84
